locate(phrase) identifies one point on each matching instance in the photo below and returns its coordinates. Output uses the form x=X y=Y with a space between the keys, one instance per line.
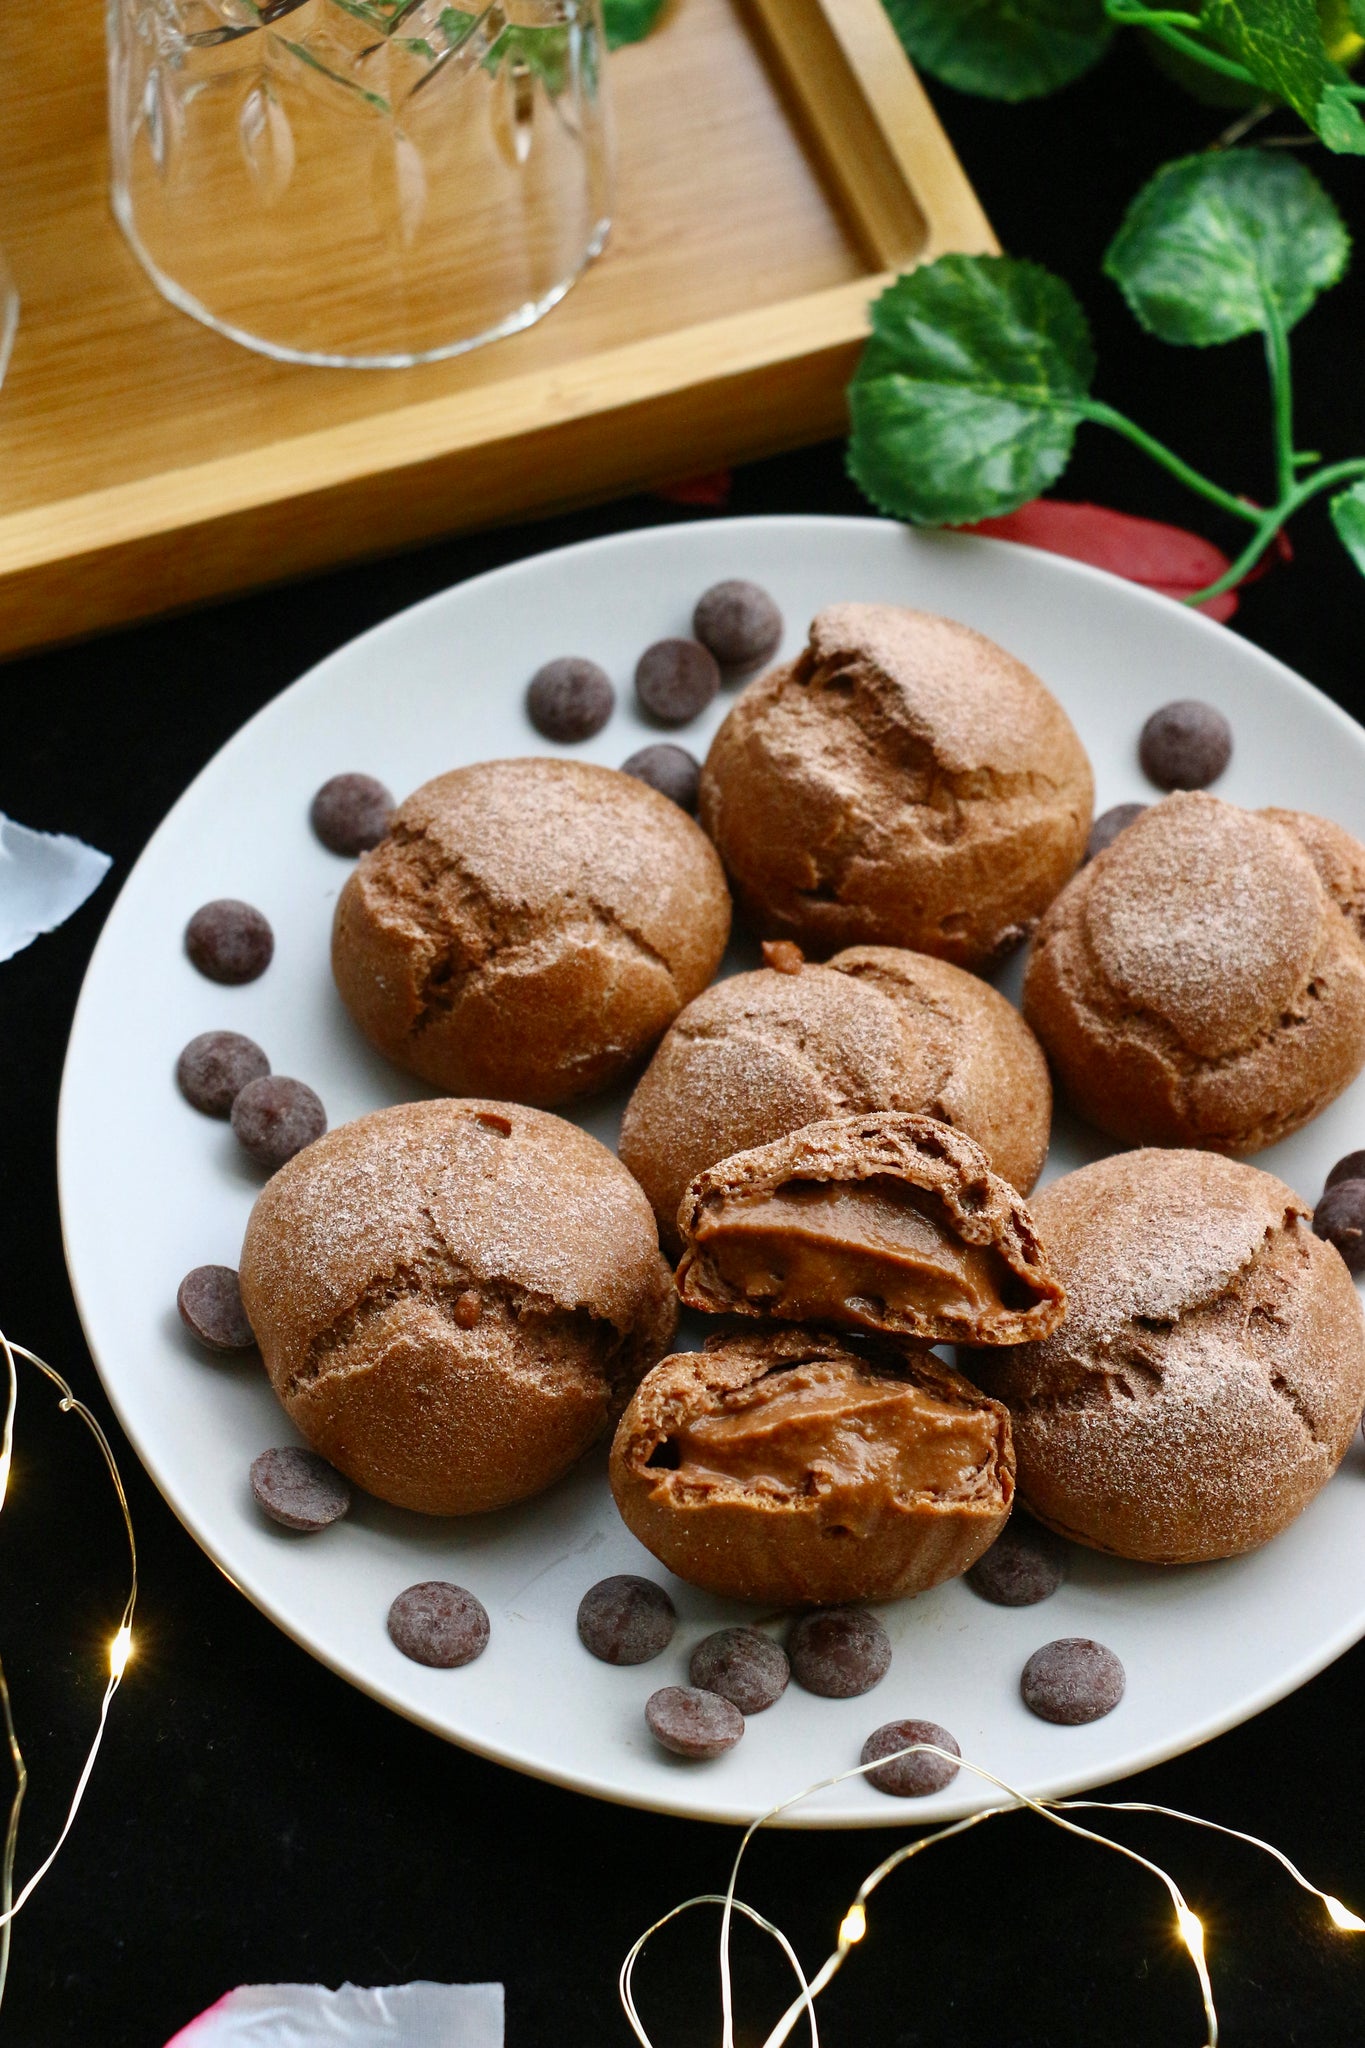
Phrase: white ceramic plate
x=149 y=1188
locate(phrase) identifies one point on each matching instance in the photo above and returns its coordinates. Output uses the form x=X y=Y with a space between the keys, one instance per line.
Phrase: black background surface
x=255 y=1819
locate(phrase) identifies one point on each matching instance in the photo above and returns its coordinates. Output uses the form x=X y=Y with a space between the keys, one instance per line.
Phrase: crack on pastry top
x=459 y=1191
x=1205 y=915
x=1253 y=989
x=885 y=1151
x=497 y=881
x=1211 y=1361
x=897 y=742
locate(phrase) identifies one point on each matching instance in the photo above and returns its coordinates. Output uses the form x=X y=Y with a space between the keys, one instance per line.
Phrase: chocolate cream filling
x=835 y=1430
x=854 y=1249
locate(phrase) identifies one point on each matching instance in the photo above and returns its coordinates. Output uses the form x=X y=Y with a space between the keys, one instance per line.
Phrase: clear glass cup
x=360 y=182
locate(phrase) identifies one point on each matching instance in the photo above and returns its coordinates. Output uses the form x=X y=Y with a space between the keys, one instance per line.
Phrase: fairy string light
x=120 y=1646
x=853 y=1925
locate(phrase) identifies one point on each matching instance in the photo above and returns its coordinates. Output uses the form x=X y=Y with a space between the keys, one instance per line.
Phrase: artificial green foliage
x=1281 y=44
x=1226 y=243
x=1002 y=49
x=964 y=403
x=1348 y=517
x=629 y=21
x=978 y=371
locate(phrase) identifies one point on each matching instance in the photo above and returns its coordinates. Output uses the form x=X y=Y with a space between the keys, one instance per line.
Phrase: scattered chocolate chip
x=1352 y=1167
x=743 y=1665
x=1185 y=745
x=570 y=699
x=1340 y=1218
x=671 y=770
x=229 y=941
x=351 y=813
x=210 y=1305
x=439 y=1624
x=494 y=1120
x=783 y=956
x=839 y=1652
x=693 y=1723
x=1108 y=826
x=739 y=622
x=675 y=680
x=911 y=1777
x=1025 y=1564
x=215 y=1067
x=626 y=1620
x=468 y=1309
x=1071 y=1681
x=299 y=1489
x=274 y=1118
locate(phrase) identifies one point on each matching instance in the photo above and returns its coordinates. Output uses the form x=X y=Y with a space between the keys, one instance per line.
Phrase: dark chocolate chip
x=671 y=770
x=1108 y=826
x=743 y=1665
x=739 y=622
x=1071 y=1681
x=229 y=941
x=783 y=956
x=910 y=1777
x=439 y=1624
x=1340 y=1218
x=1351 y=1167
x=210 y=1305
x=274 y=1118
x=570 y=699
x=693 y=1723
x=626 y=1620
x=351 y=813
x=1185 y=745
x=299 y=1489
x=675 y=680
x=1025 y=1564
x=215 y=1067
x=839 y=1652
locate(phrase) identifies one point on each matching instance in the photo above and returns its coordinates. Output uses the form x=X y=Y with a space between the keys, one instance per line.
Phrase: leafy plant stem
x=1119 y=423
x=1282 y=389
x=1174 y=29
x=1269 y=523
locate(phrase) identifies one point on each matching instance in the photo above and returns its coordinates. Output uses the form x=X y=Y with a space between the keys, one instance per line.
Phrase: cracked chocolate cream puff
x=1202 y=981
x=758 y=1055
x=797 y=1466
x=454 y=1299
x=903 y=782
x=529 y=928
x=1210 y=1373
x=888 y=1222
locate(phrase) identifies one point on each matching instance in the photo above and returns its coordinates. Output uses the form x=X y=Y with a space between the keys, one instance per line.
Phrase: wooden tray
x=777 y=159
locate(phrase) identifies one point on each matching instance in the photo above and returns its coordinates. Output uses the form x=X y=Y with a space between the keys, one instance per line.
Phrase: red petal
x=713 y=489
x=1165 y=558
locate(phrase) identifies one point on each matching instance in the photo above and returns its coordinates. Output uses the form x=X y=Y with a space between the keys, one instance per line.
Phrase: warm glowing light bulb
x=120 y=1650
x=853 y=1926
x=1191 y=1931
x=1342 y=1916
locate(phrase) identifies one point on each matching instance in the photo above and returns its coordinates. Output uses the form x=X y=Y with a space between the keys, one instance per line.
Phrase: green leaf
x=1280 y=42
x=1214 y=243
x=1348 y=517
x=966 y=401
x=629 y=21
x=1002 y=49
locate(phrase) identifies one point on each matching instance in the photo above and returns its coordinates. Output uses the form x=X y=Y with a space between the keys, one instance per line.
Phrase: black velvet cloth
x=253 y=1817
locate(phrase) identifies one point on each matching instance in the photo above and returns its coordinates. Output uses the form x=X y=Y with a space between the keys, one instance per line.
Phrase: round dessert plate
x=150 y=1188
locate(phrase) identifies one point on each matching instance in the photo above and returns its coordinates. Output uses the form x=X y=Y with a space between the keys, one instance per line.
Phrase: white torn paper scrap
x=44 y=878
x=421 y=2015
